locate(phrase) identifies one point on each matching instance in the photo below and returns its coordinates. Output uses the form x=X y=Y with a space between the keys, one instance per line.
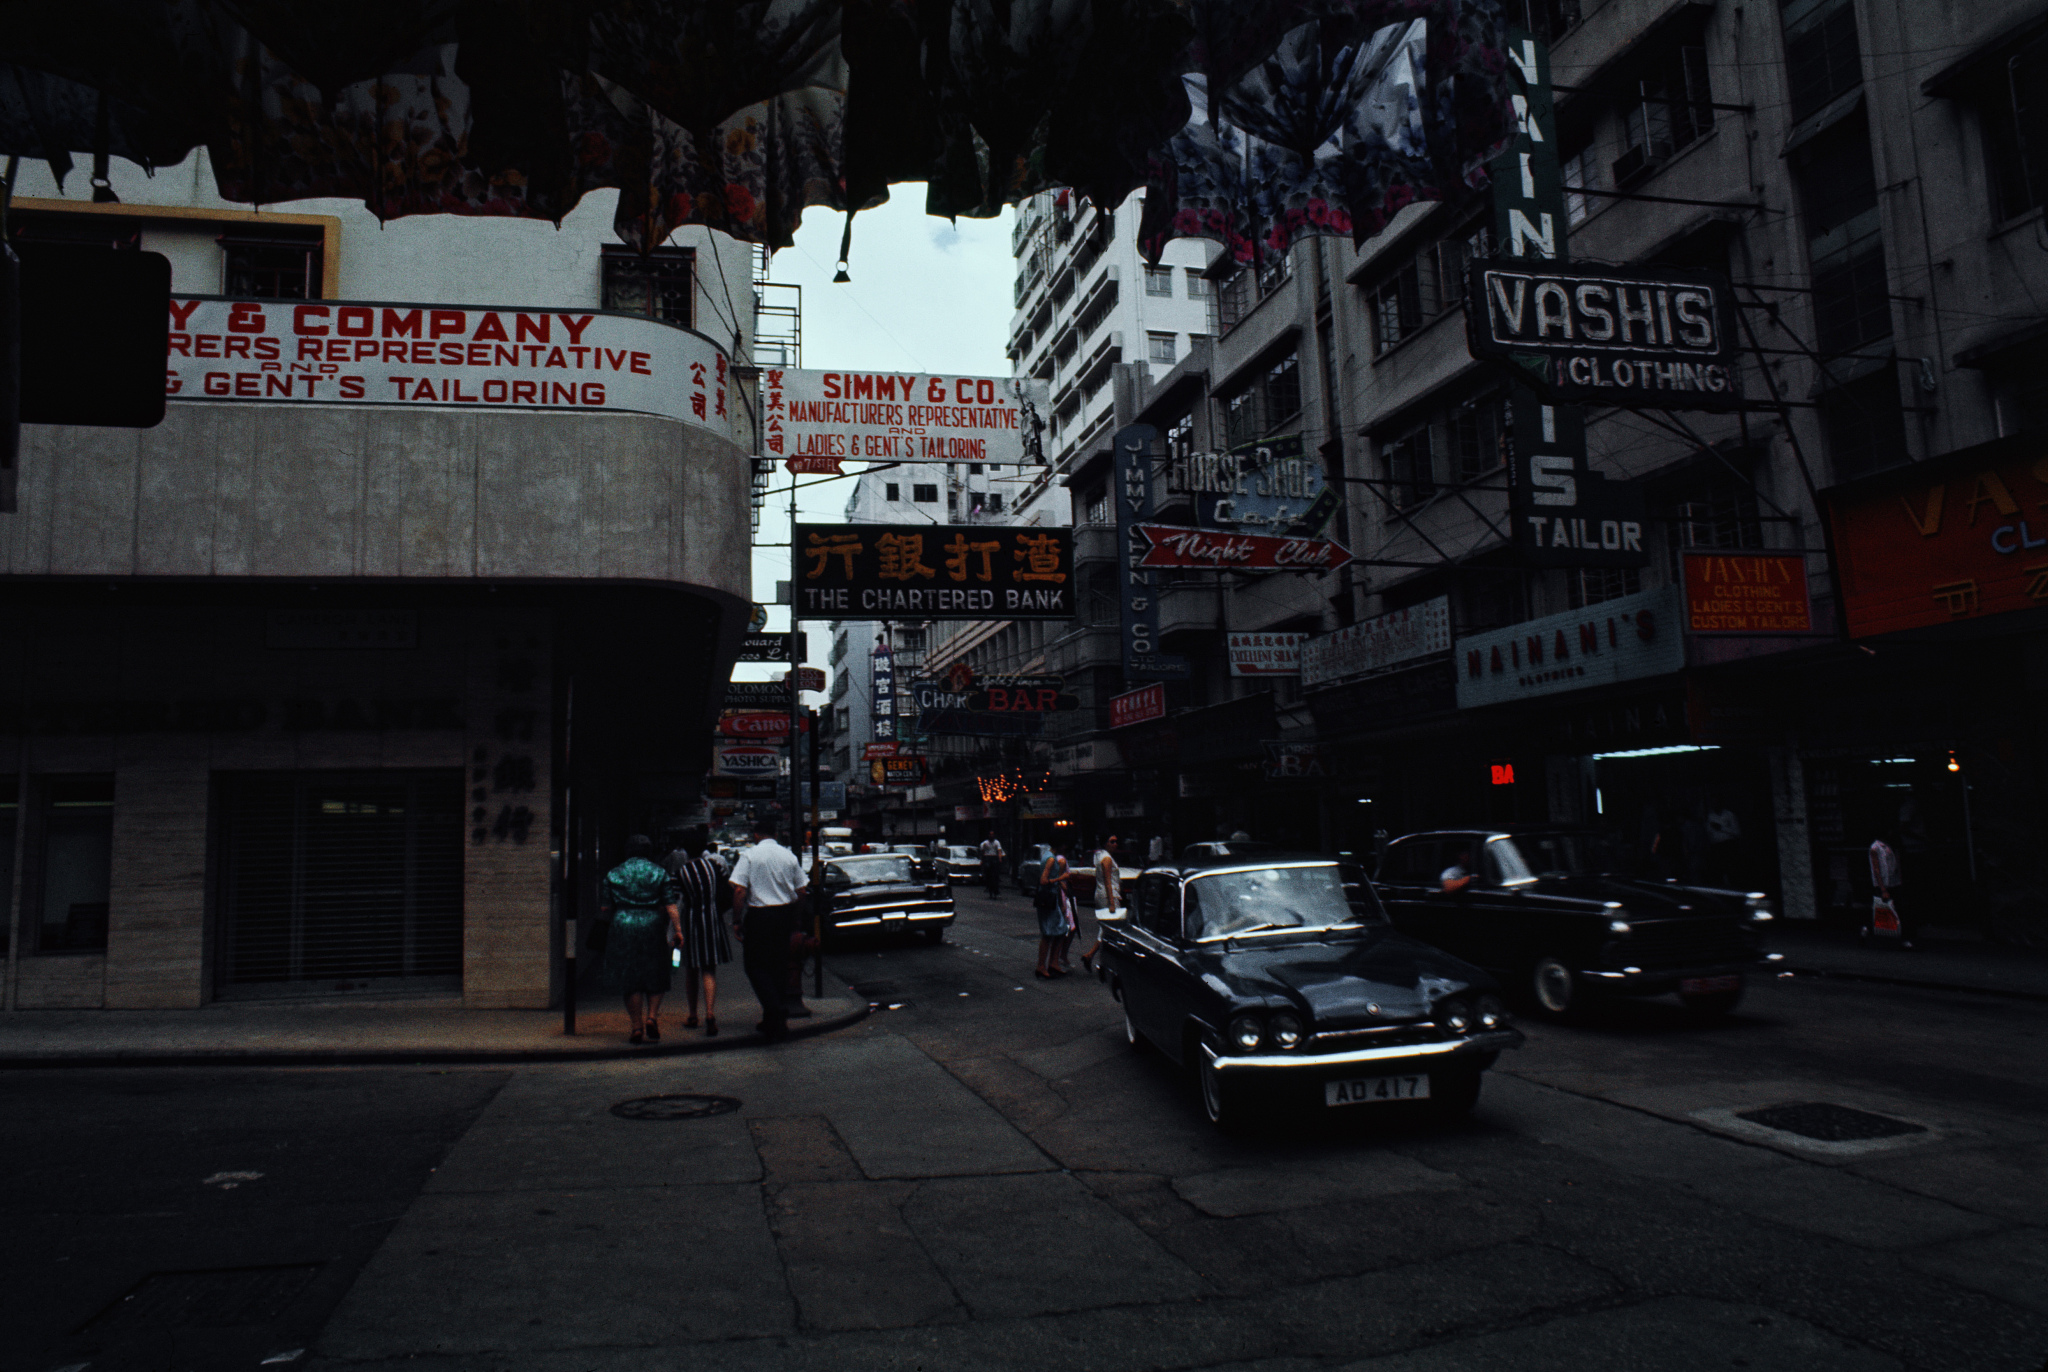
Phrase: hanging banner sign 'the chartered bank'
x=933 y=571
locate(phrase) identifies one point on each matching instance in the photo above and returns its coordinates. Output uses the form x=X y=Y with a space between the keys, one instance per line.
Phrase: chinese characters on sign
x=342 y=353
x=1746 y=593
x=1136 y=707
x=1920 y=547
x=1265 y=654
x=933 y=571
x=882 y=694
x=1379 y=643
x=829 y=417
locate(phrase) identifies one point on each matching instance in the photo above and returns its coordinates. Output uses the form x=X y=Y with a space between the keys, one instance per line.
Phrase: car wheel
x=1222 y=1101
x=1454 y=1093
x=1711 y=1004
x=1131 y=1034
x=1555 y=988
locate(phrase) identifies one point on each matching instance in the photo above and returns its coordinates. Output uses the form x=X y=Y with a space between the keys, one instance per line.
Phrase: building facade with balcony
x=351 y=676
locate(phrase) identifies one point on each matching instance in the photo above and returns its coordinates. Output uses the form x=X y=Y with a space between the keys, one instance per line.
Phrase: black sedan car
x=1533 y=909
x=876 y=892
x=1279 y=978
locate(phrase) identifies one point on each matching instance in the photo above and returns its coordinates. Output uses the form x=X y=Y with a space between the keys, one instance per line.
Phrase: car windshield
x=1550 y=855
x=875 y=870
x=1303 y=896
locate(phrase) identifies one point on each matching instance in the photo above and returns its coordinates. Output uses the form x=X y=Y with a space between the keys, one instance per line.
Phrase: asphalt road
x=983 y=1174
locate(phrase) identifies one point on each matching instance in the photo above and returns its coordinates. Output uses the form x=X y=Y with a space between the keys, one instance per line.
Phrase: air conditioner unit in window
x=1638 y=162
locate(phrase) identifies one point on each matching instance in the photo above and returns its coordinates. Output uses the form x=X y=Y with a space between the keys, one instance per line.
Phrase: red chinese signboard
x=870 y=752
x=1135 y=707
x=1968 y=539
x=1172 y=546
x=1747 y=593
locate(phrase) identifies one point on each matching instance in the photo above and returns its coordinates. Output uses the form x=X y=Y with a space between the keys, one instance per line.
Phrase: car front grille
x=1684 y=943
x=1376 y=1036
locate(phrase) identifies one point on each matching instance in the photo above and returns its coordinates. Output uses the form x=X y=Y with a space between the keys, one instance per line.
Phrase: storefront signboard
x=758 y=724
x=897 y=771
x=1746 y=593
x=1377 y=644
x=1136 y=707
x=869 y=752
x=1265 y=654
x=808 y=678
x=745 y=761
x=1266 y=487
x=1946 y=541
x=934 y=571
x=882 y=694
x=756 y=695
x=772 y=648
x=1619 y=640
x=1290 y=761
x=505 y=357
x=1170 y=545
x=820 y=418
x=1137 y=590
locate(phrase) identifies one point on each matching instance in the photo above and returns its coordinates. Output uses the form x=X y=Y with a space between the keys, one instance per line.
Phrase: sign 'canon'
x=1637 y=336
x=819 y=417
x=337 y=352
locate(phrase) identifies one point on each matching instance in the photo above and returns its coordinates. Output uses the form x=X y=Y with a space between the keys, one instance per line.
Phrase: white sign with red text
x=334 y=352
x=1265 y=653
x=816 y=419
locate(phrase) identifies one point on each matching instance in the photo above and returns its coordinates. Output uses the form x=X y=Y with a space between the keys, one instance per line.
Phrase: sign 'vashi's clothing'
x=358 y=353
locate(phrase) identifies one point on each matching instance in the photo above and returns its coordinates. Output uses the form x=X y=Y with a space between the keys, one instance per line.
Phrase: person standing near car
x=1108 y=896
x=1055 y=912
x=766 y=883
x=992 y=865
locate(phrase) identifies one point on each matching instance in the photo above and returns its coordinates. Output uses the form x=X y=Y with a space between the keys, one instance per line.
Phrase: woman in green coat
x=639 y=896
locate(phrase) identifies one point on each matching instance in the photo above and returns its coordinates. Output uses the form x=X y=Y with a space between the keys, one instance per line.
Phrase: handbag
x=1884 y=917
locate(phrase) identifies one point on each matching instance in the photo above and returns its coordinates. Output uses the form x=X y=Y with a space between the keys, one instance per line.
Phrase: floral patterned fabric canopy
x=1250 y=121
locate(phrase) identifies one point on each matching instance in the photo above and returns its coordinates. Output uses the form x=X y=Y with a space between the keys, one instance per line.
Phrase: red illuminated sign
x=1503 y=773
x=1135 y=707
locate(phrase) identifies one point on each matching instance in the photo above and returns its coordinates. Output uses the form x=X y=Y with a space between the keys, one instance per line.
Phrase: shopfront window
x=73 y=862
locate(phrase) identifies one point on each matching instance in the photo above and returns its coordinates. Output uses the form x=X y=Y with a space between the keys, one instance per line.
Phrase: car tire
x=1555 y=989
x=1131 y=1034
x=1711 y=1004
x=1454 y=1093
x=1222 y=1102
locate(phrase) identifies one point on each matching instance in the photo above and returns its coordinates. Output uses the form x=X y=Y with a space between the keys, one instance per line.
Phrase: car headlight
x=1617 y=926
x=1492 y=1012
x=1285 y=1029
x=1455 y=1015
x=1246 y=1032
x=1759 y=906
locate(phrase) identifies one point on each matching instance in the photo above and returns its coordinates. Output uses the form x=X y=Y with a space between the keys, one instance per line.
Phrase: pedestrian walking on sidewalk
x=1887 y=877
x=992 y=865
x=1055 y=913
x=700 y=886
x=767 y=882
x=639 y=898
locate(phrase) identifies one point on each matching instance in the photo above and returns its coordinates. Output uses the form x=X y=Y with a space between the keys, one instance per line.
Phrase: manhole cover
x=215 y=1299
x=1829 y=1123
x=675 y=1107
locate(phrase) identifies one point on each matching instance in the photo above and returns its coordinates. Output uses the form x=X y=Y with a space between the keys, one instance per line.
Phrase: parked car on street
x=1539 y=914
x=1227 y=848
x=876 y=892
x=1279 y=979
x=963 y=862
x=929 y=866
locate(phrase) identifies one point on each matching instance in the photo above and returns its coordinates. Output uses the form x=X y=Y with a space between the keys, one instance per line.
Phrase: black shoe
x=653 y=1032
x=636 y=1037
x=711 y=1026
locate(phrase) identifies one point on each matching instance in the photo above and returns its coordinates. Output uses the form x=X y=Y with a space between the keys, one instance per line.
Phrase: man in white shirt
x=992 y=865
x=767 y=881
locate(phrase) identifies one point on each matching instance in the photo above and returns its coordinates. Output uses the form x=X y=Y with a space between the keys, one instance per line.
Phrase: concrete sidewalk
x=329 y=1032
x=1938 y=960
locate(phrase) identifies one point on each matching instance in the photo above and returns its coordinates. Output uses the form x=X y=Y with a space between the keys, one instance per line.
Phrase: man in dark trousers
x=767 y=883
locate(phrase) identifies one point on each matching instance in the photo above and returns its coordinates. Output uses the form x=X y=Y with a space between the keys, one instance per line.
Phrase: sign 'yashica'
x=933 y=571
x=1644 y=337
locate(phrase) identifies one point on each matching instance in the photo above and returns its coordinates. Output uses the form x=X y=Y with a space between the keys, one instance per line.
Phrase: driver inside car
x=1458 y=875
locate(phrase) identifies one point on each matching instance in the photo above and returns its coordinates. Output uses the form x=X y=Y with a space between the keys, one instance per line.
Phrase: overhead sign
x=1614 y=641
x=1639 y=336
x=1169 y=545
x=757 y=695
x=897 y=771
x=1136 y=707
x=1964 y=540
x=808 y=678
x=1265 y=487
x=827 y=417
x=754 y=762
x=336 y=352
x=1377 y=644
x=882 y=693
x=1137 y=588
x=772 y=647
x=870 y=751
x=934 y=571
x=1562 y=513
x=1290 y=761
x=1265 y=654
x=758 y=724
x=1746 y=593
x=991 y=707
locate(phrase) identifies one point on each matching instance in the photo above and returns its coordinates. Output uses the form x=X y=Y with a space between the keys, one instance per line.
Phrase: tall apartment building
x=301 y=686
x=1863 y=171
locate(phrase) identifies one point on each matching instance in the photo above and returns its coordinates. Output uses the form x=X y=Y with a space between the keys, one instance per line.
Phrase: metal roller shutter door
x=340 y=881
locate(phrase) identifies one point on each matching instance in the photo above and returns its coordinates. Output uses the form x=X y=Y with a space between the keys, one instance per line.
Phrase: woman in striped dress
x=700 y=887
